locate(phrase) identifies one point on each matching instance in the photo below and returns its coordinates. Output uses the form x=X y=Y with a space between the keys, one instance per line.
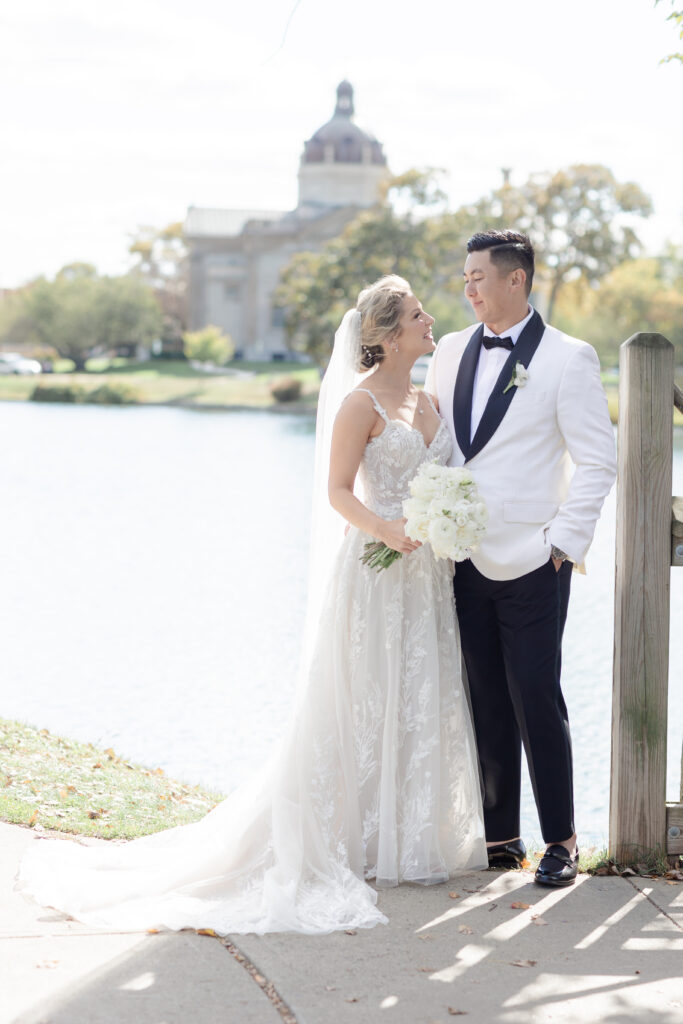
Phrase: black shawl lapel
x=463 y=391
x=499 y=403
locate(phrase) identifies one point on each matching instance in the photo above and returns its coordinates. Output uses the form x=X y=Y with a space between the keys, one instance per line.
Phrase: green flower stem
x=379 y=556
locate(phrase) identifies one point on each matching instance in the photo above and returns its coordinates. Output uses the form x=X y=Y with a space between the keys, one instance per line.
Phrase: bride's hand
x=394 y=536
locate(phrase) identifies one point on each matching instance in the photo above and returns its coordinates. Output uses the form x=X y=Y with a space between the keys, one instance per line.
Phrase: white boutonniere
x=519 y=378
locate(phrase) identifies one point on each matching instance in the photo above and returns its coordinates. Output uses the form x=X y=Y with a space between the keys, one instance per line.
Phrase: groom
x=528 y=415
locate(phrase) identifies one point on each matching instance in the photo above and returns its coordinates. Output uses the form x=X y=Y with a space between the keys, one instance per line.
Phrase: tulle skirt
x=376 y=779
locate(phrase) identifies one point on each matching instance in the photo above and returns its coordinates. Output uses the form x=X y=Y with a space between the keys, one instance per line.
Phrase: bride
x=376 y=778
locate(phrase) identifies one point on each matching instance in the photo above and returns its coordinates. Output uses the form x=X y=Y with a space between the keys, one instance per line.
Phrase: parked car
x=12 y=362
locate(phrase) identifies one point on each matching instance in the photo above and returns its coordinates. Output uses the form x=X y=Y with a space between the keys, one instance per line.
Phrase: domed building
x=236 y=255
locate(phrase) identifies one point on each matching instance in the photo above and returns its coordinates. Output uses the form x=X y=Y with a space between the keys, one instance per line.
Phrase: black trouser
x=511 y=632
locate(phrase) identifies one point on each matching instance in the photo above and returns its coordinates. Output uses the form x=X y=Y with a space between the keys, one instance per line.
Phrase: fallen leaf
x=34 y=817
x=206 y=931
x=93 y=814
x=152 y=931
x=671 y=883
x=48 y=963
x=427 y=970
x=456 y=1013
x=330 y=988
x=454 y=895
x=352 y=999
x=636 y=972
x=259 y=979
x=523 y=963
x=98 y=764
x=526 y=864
x=350 y=931
x=110 y=753
x=535 y=919
x=627 y=871
x=518 y=905
x=465 y=929
x=674 y=874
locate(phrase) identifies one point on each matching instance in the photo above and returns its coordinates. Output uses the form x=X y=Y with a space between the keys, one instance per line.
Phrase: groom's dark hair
x=509 y=250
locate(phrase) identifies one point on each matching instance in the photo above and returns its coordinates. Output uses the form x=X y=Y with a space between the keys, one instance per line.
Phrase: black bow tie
x=506 y=343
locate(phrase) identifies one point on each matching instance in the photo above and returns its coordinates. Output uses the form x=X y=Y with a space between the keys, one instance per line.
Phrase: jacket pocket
x=529 y=511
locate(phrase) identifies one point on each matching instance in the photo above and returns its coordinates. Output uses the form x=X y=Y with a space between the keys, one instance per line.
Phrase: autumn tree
x=160 y=259
x=638 y=295
x=677 y=18
x=581 y=221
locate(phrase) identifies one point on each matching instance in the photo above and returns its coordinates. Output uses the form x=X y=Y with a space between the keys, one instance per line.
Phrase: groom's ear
x=517 y=278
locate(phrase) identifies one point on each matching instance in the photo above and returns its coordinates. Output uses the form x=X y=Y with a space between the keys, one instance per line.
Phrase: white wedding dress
x=376 y=778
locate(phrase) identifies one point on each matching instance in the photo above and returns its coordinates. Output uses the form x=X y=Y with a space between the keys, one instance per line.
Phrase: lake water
x=152 y=591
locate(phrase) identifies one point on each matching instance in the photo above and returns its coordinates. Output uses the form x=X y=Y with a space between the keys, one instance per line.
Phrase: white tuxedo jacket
x=543 y=455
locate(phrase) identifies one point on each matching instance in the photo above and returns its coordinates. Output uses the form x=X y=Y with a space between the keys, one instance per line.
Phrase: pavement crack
x=263 y=983
x=655 y=904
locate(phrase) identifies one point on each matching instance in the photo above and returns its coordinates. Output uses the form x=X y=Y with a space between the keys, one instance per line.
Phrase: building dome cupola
x=344 y=106
x=340 y=140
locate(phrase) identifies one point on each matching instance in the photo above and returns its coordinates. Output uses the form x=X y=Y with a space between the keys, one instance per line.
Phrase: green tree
x=677 y=18
x=209 y=345
x=160 y=258
x=407 y=233
x=81 y=314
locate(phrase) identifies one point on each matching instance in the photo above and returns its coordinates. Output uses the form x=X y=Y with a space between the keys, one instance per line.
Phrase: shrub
x=209 y=345
x=286 y=389
x=112 y=393
x=57 y=393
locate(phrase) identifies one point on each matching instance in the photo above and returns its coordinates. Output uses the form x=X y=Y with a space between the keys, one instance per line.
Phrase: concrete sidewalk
x=606 y=950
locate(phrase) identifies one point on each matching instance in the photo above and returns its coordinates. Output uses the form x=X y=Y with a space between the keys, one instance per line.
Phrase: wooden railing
x=649 y=541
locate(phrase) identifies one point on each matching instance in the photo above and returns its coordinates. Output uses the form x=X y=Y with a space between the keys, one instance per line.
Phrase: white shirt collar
x=512 y=332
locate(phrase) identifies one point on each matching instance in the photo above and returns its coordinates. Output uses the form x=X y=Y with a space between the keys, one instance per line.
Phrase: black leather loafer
x=557 y=866
x=507 y=855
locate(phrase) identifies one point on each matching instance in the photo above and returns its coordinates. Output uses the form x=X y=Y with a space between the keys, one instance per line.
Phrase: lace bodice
x=392 y=459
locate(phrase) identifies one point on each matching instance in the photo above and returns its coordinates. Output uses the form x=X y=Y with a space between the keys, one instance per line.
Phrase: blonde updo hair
x=380 y=311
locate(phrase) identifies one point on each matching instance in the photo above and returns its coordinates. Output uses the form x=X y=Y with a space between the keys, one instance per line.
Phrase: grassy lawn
x=53 y=783
x=175 y=382
x=74 y=787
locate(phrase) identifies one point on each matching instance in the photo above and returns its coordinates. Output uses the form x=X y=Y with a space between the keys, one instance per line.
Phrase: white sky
x=125 y=115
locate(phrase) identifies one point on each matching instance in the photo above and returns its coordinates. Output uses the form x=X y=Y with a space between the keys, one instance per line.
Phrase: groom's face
x=488 y=289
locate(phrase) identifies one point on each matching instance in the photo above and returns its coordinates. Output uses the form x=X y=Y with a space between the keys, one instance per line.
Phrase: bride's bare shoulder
x=357 y=406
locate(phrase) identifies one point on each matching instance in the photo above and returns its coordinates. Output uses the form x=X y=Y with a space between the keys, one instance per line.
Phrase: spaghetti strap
x=376 y=404
x=431 y=401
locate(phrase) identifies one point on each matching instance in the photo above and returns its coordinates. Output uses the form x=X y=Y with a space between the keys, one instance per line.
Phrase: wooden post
x=641 y=627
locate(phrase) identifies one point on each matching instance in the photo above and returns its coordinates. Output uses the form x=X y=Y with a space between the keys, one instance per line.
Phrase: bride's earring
x=394 y=346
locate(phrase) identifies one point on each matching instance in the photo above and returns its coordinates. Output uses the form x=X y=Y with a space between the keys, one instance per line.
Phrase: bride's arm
x=351 y=433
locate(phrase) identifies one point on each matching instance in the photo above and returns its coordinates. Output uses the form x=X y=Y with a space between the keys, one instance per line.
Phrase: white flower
x=445 y=510
x=443 y=537
x=519 y=379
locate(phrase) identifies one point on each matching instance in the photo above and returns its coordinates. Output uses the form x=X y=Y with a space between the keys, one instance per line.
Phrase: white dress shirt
x=491 y=362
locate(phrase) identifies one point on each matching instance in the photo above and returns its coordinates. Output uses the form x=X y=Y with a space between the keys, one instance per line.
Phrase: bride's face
x=414 y=336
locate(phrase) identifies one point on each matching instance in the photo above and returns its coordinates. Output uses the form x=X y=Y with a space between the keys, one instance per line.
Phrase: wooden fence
x=649 y=541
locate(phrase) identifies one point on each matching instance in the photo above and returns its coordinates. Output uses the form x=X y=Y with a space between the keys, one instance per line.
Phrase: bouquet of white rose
x=444 y=509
